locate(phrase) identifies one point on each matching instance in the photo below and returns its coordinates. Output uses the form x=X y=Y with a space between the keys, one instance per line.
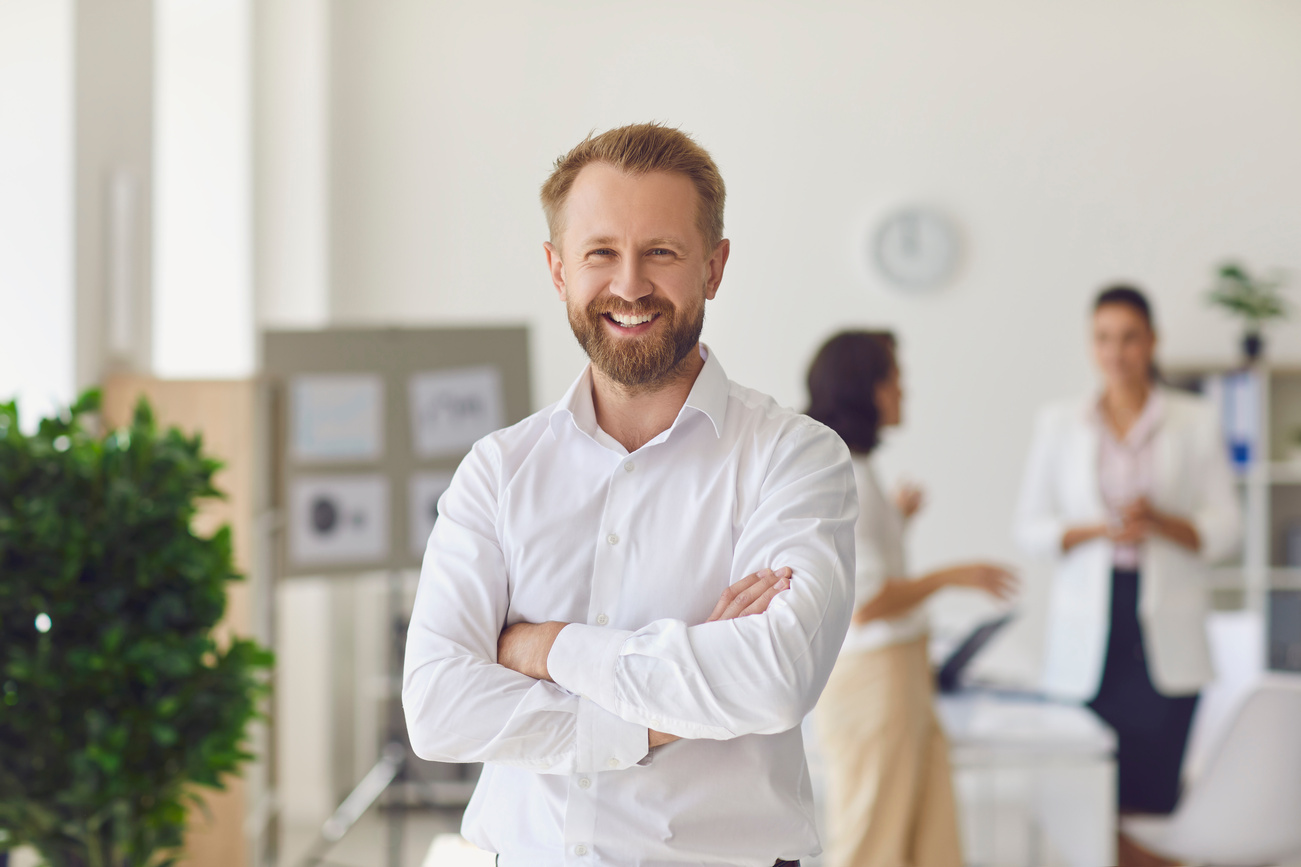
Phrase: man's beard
x=638 y=363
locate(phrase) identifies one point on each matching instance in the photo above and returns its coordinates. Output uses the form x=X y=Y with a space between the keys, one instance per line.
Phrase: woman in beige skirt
x=890 y=792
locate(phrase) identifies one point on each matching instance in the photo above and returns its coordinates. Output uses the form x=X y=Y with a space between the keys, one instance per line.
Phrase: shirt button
x=612 y=539
x=602 y=619
x=628 y=467
x=614 y=763
x=580 y=849
x=584 y=783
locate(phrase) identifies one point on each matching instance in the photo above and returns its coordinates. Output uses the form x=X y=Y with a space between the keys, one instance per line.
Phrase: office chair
x=1244 y=809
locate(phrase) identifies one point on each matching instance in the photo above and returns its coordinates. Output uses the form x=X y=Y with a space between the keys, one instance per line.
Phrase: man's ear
x=717 y=262
x=557 y=268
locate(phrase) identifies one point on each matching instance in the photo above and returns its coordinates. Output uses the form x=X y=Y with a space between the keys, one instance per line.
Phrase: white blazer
x=1191 y=479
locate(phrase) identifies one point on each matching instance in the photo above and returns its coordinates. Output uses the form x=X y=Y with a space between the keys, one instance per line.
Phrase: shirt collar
x=1144 y=426
x=708 y=396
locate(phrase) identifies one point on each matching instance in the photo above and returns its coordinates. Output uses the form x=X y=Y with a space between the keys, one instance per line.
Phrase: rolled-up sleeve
x=758 y=674
x=460 y=705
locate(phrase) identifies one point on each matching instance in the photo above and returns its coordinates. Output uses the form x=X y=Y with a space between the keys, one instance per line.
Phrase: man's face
x=634 y=273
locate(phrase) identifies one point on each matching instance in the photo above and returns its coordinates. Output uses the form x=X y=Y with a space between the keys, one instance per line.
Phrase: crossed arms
x=524 y=647
x=603 y=690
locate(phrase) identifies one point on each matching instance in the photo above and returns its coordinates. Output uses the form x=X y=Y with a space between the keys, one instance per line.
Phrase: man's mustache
x=601 y=306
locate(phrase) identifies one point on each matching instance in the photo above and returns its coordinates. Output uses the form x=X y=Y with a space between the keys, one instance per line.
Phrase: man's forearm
x=524 y=647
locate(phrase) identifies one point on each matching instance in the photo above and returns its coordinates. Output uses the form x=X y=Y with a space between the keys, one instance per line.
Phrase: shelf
x=1233 y=578
x=1284 y=472
x=1285 y=578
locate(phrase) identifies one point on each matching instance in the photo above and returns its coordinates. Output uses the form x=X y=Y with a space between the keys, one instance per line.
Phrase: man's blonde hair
x=638 y=149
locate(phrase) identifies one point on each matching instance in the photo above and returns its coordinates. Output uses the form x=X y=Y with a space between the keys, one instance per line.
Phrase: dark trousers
x=1151 y=728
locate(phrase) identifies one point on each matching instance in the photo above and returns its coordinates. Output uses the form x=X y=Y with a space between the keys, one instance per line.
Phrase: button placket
x=611 y=548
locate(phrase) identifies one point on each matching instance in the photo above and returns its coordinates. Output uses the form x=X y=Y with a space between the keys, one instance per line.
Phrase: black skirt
x=1151 y=728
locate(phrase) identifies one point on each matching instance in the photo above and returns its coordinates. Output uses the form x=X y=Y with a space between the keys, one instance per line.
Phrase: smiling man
x=631 y=599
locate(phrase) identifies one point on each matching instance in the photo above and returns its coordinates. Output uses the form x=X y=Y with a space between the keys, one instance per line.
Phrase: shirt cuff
x=582 y=660
x=607 y=743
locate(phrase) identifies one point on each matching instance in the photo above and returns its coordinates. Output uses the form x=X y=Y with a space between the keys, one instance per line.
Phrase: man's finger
x=764 y=579
x=729 y=594
x=760 y=605
x=743 y=600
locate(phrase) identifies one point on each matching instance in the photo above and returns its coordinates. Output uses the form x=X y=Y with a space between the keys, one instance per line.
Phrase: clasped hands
x=1137 y=522
x=524 y=647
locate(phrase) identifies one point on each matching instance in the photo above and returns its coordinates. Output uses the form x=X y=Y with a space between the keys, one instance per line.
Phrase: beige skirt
x=889 y=785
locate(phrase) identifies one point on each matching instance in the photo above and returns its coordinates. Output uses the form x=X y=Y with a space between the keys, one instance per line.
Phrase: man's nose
x=631 y=282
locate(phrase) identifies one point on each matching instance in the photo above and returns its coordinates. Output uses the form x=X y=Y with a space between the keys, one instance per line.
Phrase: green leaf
x=108 y=719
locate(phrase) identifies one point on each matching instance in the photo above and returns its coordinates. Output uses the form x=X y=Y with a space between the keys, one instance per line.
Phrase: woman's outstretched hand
x=995 y=580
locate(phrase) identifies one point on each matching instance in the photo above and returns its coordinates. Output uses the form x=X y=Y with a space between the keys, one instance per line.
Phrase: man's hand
x=524 y=647
x=751 y=594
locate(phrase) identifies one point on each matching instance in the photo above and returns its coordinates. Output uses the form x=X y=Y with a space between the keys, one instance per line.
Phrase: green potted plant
x=1252 y=298
x=116 y=699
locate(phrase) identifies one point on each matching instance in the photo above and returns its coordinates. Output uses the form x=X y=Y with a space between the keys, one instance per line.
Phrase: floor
x=366 y=845
x=429 y=840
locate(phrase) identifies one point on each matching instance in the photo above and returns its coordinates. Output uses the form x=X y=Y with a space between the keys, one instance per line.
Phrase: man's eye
x=602 y=252
x=660 y=251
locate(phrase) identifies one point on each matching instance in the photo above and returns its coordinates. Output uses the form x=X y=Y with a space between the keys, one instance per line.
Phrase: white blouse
x=879 y=553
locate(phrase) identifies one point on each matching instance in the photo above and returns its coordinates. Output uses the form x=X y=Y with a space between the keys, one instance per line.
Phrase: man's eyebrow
x=666 y=242
x=609 y=241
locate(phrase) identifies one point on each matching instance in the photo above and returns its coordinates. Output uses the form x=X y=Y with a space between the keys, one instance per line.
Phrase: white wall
x=113 y=178
x=36 y=196
x=203 y=270
x=291 y=162
x=1075 y=144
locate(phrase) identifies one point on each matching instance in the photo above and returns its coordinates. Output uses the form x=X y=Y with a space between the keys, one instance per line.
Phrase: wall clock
x=915 y=248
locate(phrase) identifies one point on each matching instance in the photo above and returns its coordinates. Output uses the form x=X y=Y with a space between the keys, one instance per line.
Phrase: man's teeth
x=630 y=321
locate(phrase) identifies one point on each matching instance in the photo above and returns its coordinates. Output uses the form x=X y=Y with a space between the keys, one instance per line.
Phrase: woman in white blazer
x=1131 y=493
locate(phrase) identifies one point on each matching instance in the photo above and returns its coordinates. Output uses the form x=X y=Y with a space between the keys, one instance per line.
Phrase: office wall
x=1073 y=143
x=36 y=197
x=113 y=180
x=291 y=162
x=202 y=257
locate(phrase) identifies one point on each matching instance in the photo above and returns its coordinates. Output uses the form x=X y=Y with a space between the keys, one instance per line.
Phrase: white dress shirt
x=552 y=519
x=880 y=556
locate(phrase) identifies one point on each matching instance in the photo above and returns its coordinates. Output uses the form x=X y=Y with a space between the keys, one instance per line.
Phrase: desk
x=1036 y=780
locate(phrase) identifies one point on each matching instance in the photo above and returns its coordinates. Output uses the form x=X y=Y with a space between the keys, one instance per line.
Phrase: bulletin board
x=368 y=426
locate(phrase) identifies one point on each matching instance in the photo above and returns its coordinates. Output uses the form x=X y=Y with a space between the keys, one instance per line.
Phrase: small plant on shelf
x=1250 y=297
x=116 y=698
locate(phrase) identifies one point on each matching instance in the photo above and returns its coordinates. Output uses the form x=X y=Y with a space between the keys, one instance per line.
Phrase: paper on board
x=451 y=409
x=336 y=417
x=340 y=519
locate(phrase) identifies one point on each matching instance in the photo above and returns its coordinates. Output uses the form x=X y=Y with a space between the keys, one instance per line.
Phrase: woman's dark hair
x=1126 y=296
x=1134 y=299
x=842 y=385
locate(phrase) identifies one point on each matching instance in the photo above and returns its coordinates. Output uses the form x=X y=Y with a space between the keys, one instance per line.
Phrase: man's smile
x=631 y=323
